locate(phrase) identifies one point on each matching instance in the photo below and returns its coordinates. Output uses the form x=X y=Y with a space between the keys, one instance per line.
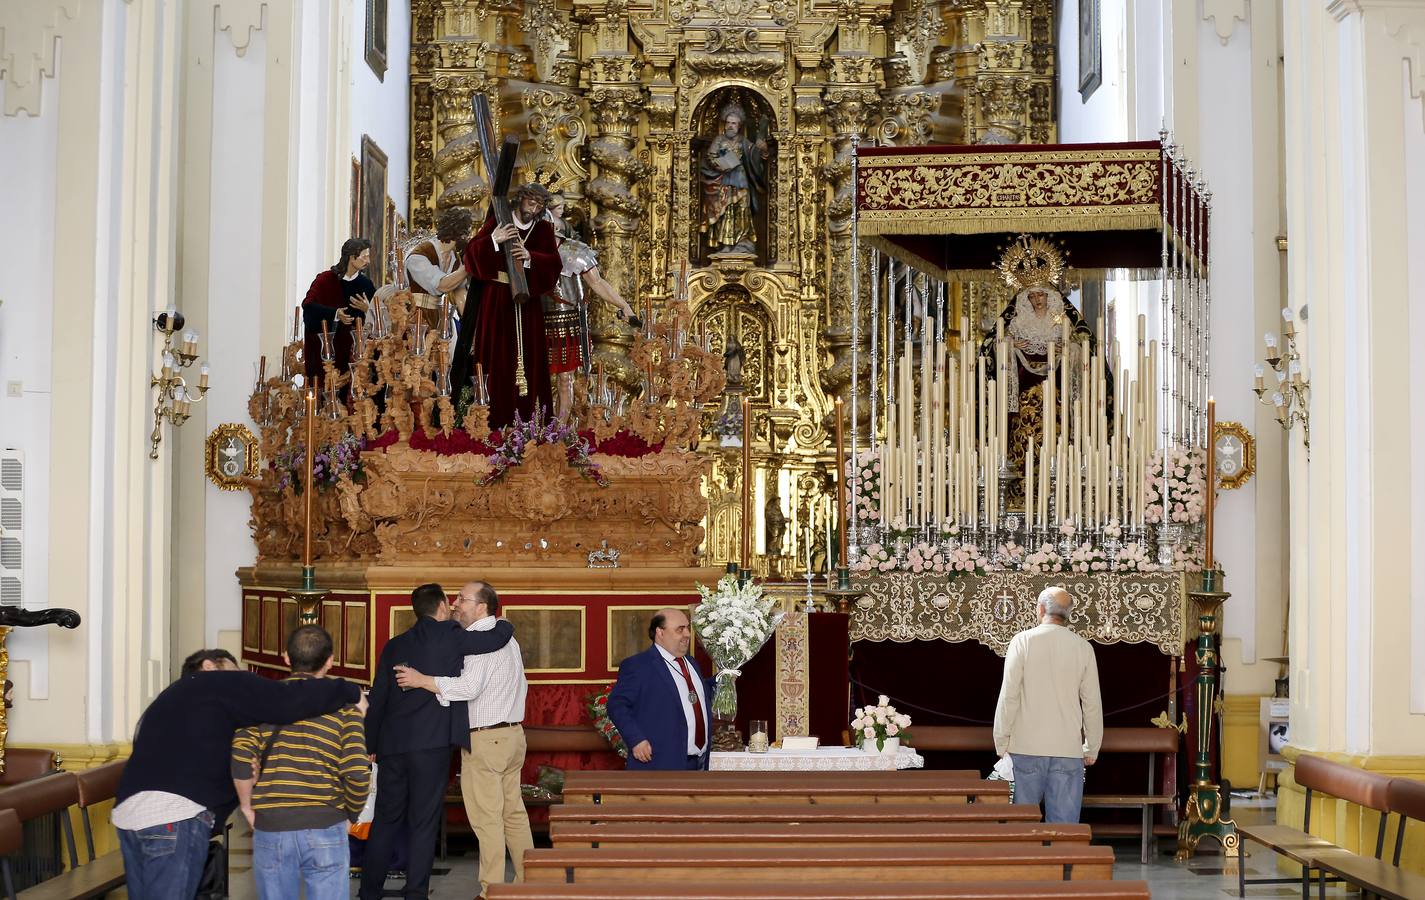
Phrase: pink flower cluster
x=1012 y=553
x=1087 y=558
x=876 y=723
x=1044 y=561
x=1135 y=558
x=1187 y=486
x=925 y=558
x=967 y=557
x=863 y=477
x=875 y=558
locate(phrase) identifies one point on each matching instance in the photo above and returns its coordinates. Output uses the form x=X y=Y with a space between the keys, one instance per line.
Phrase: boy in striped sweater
x=300 y=785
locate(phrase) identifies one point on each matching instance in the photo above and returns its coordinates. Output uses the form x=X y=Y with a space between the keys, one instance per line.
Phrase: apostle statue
x=434 y=268
x=488 y=337
x=733 y=174
x=566 y=319
x=338 y=298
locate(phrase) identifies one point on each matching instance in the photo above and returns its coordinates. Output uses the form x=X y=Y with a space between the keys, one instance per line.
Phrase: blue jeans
x=1056 y=780
x=166 y=860
x=283 y=861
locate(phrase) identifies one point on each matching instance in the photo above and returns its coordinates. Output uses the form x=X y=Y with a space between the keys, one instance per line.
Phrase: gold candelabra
x=175 y=398
x=1292 y=393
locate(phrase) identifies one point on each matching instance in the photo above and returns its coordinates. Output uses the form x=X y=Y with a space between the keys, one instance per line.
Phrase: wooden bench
x=944 y=862
x=867 y=889
x=57 y=793
x=809 y=834
x=866 y=814
x=11 y=840
x=780 y=787
x=1406 y=798
x=1317 y=775
x=1152 y=742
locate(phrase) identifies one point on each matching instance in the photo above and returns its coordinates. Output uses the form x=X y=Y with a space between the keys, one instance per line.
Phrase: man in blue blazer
x=412 y=735
x=660 y=702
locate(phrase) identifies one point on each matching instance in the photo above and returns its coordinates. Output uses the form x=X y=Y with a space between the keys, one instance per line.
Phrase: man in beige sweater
x=1049 y=718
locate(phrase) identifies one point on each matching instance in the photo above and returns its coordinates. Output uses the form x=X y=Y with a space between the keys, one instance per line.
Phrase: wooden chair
x=822 y=890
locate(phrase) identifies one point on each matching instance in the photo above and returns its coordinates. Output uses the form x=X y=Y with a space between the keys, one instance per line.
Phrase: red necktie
x=700 y=734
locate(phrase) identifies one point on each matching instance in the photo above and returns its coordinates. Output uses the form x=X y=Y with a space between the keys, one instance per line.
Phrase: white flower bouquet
x=878 y=723
x=732 y=622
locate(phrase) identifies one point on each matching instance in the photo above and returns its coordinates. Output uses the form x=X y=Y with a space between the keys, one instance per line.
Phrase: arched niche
x=760 y=123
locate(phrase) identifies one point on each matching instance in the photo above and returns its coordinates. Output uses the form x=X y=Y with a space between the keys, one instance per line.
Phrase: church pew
x=1150 y=742
x=652 y=835
x=864 y=814
x=942 y=862
x=781 y=787
x=866 y=889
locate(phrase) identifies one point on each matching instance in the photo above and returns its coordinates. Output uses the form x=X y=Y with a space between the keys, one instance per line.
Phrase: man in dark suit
x=411 y=736
x=660 y=702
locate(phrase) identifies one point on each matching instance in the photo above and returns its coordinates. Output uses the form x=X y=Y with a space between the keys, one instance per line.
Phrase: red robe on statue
x=494 y=345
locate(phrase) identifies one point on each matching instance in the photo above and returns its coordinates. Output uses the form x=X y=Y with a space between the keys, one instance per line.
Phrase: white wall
x=381 y=109
x=28 y=144
x=1414 y=119
x=1213 y=81
x=1104 y=117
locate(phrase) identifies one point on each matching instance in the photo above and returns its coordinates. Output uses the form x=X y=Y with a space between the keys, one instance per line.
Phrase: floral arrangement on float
x=330 y=464
x=863 y=480
x=598 y=707
x=1187 y=486
x=881 y=725
x=950 y=558
x=522 y=435
x=732 y=622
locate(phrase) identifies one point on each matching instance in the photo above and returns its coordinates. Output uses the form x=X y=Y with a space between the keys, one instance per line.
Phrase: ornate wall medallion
x=230 y=456
x=1234 y=454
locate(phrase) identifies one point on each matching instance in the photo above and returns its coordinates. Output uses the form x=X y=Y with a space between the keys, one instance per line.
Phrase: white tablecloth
x=824 y=759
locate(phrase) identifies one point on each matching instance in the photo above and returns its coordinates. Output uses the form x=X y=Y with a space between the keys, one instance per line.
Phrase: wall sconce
x=175 y=397
x=1290 y=395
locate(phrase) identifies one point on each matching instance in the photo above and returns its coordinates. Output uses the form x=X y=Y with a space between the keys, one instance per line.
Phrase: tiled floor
x=1208 y=875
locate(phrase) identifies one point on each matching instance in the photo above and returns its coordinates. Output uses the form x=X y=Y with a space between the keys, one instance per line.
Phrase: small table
x=822 y=759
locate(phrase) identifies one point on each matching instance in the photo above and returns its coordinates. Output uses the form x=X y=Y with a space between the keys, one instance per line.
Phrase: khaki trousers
x=490 y=785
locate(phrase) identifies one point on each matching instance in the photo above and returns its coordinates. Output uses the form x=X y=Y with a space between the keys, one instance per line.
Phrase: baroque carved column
x=849 y=99
x=615 y=97
x=1003 y=62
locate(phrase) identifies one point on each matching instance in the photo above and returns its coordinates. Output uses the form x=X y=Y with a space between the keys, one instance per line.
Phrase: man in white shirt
x=495 y=686
x=1049 y=718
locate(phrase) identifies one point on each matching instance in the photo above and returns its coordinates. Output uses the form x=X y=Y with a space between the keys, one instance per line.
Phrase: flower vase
x=724 y=712
x=889 y=745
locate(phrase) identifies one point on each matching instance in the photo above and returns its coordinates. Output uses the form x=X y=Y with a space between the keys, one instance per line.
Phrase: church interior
x=888 y=314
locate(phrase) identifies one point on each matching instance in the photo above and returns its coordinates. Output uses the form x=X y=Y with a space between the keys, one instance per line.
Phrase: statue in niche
x=733 y=359
x=733 y=175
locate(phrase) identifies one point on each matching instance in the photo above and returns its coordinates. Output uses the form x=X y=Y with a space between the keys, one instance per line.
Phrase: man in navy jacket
x=411 y=736
x=660 y=702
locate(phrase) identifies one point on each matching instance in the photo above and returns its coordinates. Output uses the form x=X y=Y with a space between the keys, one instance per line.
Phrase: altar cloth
x=823 y=759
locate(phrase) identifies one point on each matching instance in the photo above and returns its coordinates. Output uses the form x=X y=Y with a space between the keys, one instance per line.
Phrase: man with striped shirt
x=495 y=686
x=300 y=785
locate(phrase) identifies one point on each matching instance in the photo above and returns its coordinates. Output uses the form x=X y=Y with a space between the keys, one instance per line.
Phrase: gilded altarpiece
x=619 y=100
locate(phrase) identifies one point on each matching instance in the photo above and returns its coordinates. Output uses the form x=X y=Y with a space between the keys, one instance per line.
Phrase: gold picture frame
x=1234 y=455
x=230 y=456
